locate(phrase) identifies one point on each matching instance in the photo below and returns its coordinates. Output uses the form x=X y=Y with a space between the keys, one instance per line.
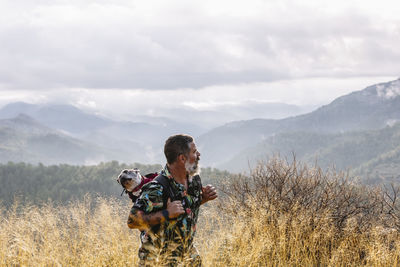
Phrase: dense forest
x=62 y=183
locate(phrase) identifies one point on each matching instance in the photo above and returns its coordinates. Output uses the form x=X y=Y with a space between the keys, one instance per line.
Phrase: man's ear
x=182 y=158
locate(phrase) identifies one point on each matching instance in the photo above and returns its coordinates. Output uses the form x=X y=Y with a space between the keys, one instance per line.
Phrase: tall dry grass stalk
x=282 y=215
x=88 y=233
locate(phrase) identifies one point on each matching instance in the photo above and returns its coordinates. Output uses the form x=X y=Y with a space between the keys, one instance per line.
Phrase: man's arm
x=139 y=220
x=208 y=193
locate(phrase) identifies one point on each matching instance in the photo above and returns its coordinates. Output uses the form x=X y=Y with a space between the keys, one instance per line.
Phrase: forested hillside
x=372 y=108
x=372 y=155
x=61 y=183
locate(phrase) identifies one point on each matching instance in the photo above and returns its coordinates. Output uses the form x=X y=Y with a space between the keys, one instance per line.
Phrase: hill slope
x=372 y=108
x=136 y=141
x=371 y=154
x=24 y=139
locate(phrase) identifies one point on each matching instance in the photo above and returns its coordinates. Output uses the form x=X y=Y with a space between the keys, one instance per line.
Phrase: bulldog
x=132 y=181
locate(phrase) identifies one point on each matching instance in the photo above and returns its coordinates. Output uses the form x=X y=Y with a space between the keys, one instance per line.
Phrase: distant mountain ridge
x=370 y=108
x=62 y=117
x=363 y=152
x=25 y=124
x=25 y=139
x=359 y=130
x=134 y=141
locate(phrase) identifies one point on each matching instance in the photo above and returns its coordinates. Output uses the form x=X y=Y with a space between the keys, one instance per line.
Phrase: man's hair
x=176 y=145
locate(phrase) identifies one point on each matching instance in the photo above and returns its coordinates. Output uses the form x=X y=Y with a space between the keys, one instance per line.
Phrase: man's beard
x=193 y=168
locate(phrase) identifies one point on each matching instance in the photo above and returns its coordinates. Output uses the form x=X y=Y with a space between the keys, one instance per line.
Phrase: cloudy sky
x=123 y=55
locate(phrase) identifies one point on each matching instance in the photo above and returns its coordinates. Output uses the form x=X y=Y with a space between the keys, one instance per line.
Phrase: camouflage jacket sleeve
x=150 y=200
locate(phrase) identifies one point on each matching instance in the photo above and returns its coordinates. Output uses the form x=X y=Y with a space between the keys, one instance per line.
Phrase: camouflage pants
x=174 y=258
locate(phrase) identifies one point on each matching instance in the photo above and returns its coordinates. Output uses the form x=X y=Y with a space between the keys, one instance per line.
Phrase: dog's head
x=129 y=179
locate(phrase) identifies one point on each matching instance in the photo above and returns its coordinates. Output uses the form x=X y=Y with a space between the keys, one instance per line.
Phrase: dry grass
x=75 y=235
x=285 y=215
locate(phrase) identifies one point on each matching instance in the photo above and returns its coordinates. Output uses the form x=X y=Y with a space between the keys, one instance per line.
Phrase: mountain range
x=24 y=139
x=100 y=138
x=375 y=107
x=373 y=155
x=358 y=131
x=137 y=138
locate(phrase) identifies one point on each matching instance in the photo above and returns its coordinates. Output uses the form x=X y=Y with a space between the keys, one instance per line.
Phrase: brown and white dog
x=131 y=179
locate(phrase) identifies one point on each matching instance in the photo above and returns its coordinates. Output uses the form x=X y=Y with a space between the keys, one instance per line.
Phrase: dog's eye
x=125 y=171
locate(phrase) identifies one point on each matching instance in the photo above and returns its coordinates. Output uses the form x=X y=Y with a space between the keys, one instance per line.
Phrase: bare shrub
x=292 y=188
x=293 y=215
x=392 y=207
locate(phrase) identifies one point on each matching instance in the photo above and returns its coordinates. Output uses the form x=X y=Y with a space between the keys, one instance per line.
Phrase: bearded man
x=167 y=212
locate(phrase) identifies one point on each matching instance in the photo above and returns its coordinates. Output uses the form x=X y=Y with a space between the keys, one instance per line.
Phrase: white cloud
x=193 y=44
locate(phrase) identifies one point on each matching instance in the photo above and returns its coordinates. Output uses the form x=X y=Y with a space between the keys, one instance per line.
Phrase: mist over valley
x=351 y=132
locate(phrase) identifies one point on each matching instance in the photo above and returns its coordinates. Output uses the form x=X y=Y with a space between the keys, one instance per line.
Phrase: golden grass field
x=93 y=232
x=74 y=235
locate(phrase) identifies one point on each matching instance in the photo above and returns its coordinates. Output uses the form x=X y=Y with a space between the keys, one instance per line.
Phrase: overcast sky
x=126 y=55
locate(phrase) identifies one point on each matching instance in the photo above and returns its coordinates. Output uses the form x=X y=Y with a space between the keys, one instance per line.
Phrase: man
x=169 y=225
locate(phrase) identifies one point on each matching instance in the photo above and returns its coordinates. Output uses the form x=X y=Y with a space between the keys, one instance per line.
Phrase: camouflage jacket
x=173 y=238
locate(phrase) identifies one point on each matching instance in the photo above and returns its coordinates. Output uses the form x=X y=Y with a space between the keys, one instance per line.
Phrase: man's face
x=192 y=162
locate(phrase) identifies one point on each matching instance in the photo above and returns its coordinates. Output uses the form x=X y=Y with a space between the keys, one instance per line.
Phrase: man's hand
x=209 y=193
x=174 y=208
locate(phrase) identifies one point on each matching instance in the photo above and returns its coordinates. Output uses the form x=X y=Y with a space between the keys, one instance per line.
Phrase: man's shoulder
x=152 y=187
x=150 y=198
